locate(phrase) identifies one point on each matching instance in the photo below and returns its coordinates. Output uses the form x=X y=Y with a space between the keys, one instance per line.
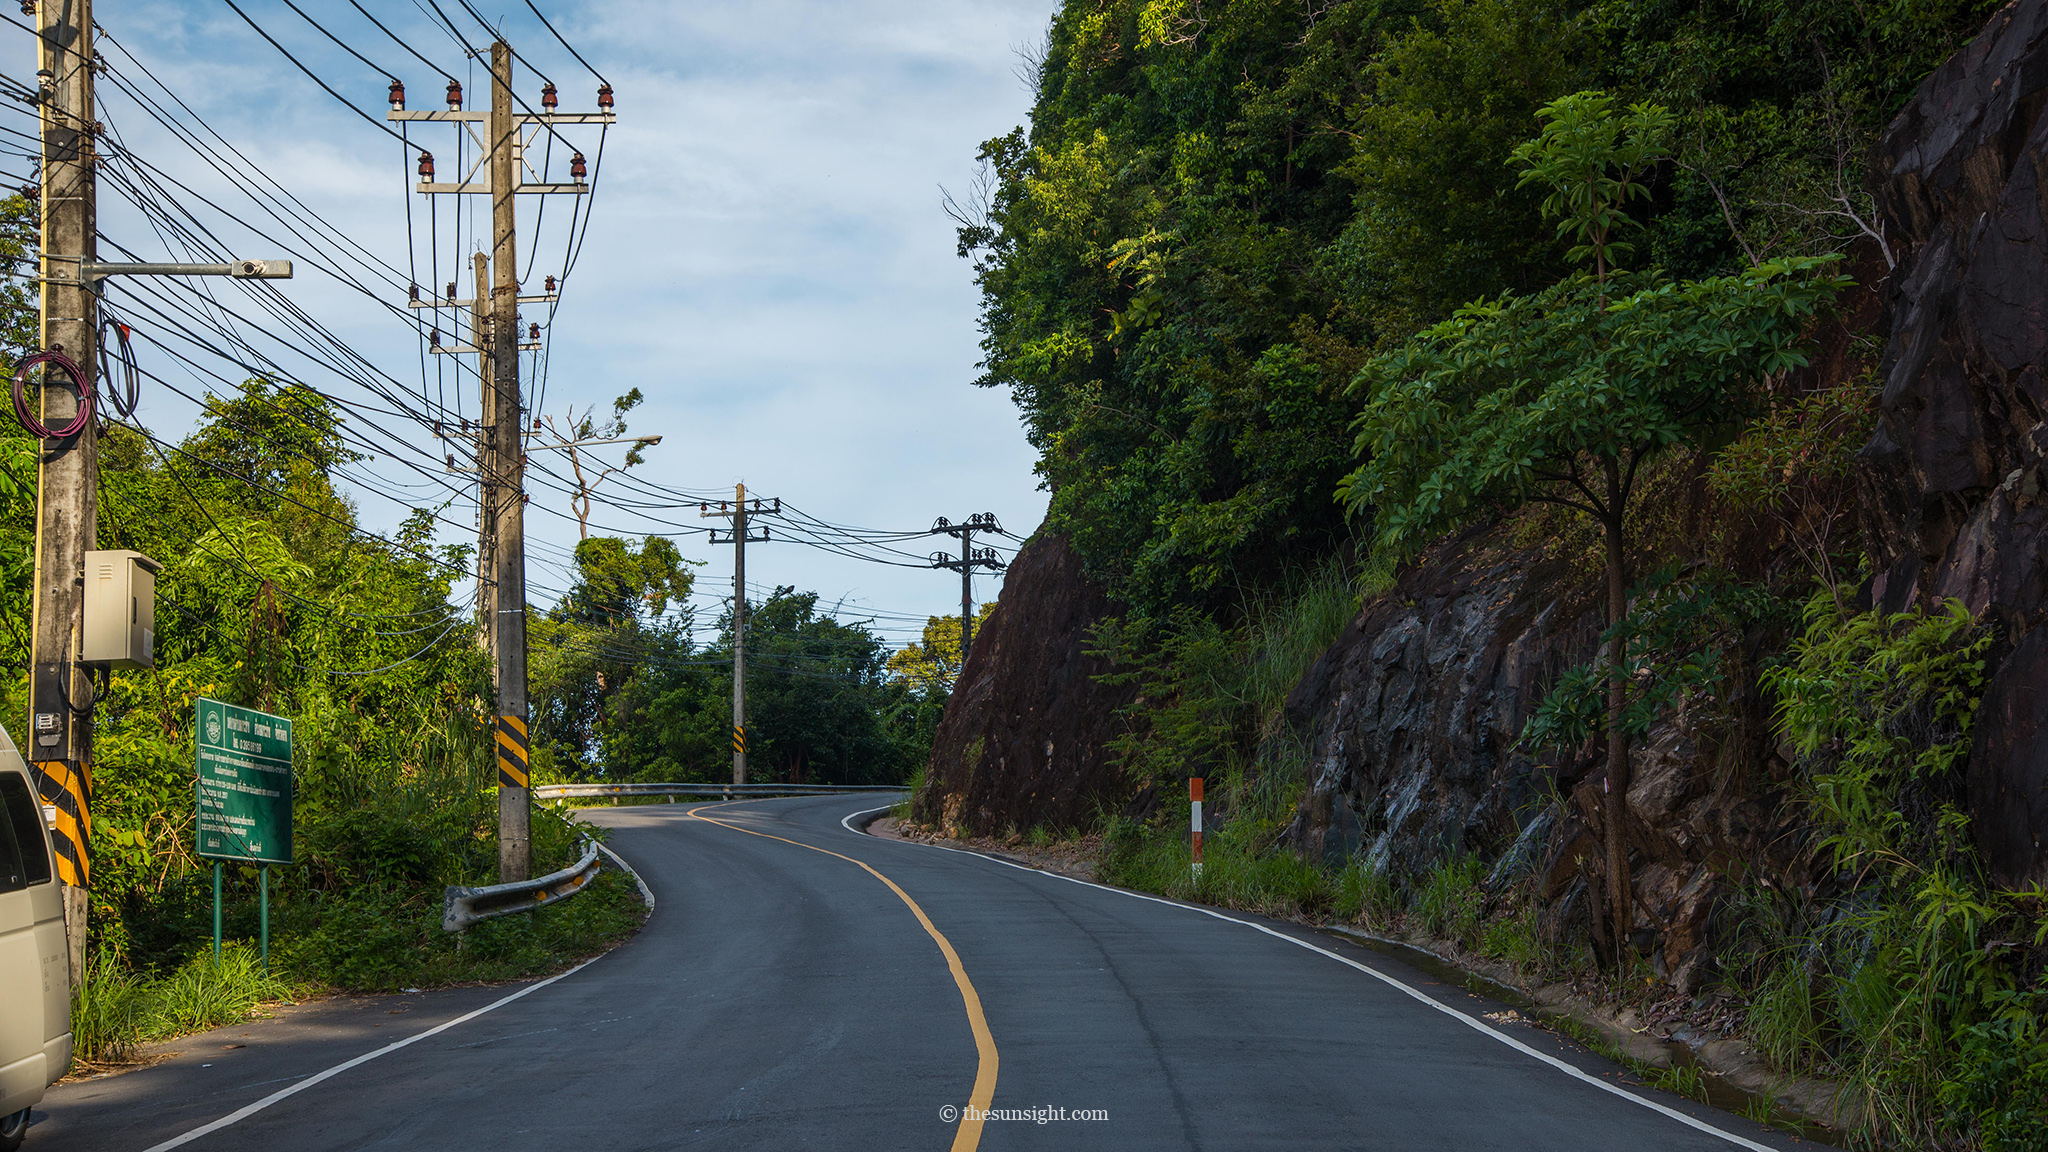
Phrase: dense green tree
x=1217 y=213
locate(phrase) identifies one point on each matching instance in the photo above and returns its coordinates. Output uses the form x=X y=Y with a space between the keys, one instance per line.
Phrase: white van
x=35 y=971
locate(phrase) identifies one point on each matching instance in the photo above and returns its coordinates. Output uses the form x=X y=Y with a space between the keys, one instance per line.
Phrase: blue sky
x=766 y=257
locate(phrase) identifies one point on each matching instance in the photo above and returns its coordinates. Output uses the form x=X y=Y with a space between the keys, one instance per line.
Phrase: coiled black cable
x=28 y=419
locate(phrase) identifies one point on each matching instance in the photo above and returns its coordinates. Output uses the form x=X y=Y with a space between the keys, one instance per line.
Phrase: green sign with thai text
x=245 y=784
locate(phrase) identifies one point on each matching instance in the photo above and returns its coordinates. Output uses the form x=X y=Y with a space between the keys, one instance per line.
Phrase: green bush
x=1913 y=983
x=1999 y=1085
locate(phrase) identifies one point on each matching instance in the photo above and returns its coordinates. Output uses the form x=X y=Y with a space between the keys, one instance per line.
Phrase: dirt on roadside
x=1075 y=858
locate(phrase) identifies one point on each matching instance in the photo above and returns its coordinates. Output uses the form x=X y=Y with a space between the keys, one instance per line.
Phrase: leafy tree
x=1561 y=396
x=617 y=582
x=932 y=663
x=814 y=689
x=587 y=650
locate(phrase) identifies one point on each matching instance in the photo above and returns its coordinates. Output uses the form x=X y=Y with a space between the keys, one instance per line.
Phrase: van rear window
x=24 y=857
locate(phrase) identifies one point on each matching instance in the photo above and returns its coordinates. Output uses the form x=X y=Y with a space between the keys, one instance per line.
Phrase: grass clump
x=1513 y=940
x=1365 y=893
x=115 y=1010
x=1449 y=902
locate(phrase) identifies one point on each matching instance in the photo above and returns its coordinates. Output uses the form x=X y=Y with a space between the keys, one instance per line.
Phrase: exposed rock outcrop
x=1953 y=480
x=1414 y=709
x=1414 y=714
x=1023 y=739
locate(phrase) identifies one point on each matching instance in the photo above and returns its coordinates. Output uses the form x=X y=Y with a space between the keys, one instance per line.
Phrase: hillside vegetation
x=1293 y=294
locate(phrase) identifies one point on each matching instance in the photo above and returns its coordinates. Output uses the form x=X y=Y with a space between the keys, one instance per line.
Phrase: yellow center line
x=968 y=1137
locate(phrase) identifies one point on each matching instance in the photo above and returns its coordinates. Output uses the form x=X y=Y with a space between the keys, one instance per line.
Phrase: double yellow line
x=968 y=1137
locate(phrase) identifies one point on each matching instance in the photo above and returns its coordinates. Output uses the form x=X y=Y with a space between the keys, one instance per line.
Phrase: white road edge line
x=847 y=822
x=1469 y=1021
x=646 y=894
x=243 y=1113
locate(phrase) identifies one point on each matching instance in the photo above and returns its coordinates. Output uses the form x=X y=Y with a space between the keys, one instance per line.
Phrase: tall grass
x=901 y=810
x=1283 y=638
x=114 y=1010
x=1449 y=903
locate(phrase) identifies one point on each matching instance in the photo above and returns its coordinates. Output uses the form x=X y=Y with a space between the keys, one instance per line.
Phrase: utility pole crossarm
x=543 y=298
x=965 y=564
x=522 y=119
x=649 y=440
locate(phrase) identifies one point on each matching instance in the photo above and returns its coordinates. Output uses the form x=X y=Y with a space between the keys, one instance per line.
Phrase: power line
x=564 y=43
x=309 y=72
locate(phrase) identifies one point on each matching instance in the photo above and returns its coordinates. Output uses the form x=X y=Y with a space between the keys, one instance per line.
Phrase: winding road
x=801 y=985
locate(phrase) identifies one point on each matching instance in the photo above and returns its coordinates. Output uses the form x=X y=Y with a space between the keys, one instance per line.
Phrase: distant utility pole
x=737 y=511
x=501 y=460
x=965 y=564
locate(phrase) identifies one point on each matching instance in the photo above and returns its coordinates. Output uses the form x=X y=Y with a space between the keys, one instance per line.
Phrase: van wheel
x=12 y=1129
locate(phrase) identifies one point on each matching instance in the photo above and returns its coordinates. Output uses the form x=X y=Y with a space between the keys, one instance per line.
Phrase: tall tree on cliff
x=1563 y=395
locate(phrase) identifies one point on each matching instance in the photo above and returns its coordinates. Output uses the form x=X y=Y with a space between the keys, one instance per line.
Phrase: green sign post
x=244 y=795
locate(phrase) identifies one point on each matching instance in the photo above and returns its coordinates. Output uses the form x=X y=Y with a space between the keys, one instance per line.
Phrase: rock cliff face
x=1413 y=716
x=1953 y=480
x=1021 y=743
x=1413 y=713
x=1414 y=709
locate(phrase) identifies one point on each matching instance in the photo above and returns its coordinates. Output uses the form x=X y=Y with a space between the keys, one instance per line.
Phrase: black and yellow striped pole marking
x=513 y=758
x=739 y=739
x=67 y=788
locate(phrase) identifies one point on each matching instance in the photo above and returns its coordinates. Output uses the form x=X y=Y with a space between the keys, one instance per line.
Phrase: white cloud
x=767 y=260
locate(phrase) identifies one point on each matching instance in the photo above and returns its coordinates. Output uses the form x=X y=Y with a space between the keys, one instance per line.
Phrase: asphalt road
x=784 y=997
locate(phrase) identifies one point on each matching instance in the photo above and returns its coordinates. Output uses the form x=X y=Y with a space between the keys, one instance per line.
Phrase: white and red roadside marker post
x=1195 y=822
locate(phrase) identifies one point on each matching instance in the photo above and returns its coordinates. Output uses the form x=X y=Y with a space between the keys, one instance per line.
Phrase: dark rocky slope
x=1022 y=741
x=1953 y=479
x=1414 y=712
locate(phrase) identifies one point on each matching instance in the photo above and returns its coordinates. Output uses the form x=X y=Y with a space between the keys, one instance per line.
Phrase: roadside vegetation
x=1271 y=285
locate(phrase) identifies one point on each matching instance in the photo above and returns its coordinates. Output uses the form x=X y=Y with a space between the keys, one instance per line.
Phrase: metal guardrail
x=461 y=907
x=602 y=791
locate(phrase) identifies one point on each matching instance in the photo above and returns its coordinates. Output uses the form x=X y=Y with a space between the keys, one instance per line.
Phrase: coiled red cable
x=28 y=419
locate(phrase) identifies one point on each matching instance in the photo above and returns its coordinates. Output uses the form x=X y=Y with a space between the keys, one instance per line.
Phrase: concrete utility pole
x=968 y=560
x=501 y=461
x=737 y=513
x=515 y=806
x=61 y=696
x=67 y=473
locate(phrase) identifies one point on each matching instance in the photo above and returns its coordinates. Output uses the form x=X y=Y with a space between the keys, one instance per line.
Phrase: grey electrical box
x=120 y=609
